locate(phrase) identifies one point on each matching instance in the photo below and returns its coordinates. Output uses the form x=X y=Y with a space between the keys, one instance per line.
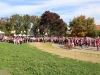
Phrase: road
x=84 y=49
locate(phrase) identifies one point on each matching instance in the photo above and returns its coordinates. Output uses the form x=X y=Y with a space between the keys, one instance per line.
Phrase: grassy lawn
x=26 y=60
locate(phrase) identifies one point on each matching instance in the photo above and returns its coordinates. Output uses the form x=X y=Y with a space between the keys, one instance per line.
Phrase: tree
x=90 y=26
x=5 y=26
x=35 y=20
x=95 y=33
x=80 y=26
x=2 y=24
x=26 y=23
x=51 y=24
x=8 y=27
x=16 y=22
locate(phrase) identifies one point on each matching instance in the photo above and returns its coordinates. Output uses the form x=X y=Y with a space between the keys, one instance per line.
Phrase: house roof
x=97 y=26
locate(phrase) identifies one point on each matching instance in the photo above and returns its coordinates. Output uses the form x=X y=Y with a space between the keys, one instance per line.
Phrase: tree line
x=48 y=24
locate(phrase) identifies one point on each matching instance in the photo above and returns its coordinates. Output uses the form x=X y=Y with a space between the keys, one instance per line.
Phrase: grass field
x=27 y=60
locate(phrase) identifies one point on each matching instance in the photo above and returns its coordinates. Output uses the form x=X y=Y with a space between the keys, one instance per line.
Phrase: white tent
x=2 y=33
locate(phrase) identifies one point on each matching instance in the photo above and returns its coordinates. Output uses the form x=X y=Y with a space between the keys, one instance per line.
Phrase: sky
x=66 y=9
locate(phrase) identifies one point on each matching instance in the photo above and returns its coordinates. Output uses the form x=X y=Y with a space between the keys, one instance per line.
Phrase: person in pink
x=94 y=42
x=98 y=43
x=75 y=42
x=88 y=42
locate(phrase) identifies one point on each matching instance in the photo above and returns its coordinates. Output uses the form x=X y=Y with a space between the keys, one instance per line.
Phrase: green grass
x=26 y=60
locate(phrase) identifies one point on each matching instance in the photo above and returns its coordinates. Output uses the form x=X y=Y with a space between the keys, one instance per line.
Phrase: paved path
x=84 y=49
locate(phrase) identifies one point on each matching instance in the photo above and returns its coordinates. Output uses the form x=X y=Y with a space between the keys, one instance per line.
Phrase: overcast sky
x=67 y=9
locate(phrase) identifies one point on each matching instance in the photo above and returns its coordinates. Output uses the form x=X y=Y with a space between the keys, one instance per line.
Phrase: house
x=97 y=26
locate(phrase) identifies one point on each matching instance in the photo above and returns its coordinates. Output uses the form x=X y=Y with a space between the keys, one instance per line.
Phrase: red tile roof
x=97 y=26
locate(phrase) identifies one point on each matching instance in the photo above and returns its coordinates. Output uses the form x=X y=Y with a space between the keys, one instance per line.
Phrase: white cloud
x=67 y=9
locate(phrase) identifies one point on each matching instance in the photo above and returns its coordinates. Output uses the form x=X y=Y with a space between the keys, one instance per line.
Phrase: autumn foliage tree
x=90 y=26
x=81 y=26
x=51 y=24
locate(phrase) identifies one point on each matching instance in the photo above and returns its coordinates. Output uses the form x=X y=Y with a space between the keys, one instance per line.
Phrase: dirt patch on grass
x=5 y=72
x=67 y=53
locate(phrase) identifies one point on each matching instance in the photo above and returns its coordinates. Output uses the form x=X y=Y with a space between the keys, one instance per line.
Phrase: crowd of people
x=75 y=41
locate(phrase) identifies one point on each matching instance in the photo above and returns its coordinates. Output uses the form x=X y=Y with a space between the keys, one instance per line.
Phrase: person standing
x=98 y=43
